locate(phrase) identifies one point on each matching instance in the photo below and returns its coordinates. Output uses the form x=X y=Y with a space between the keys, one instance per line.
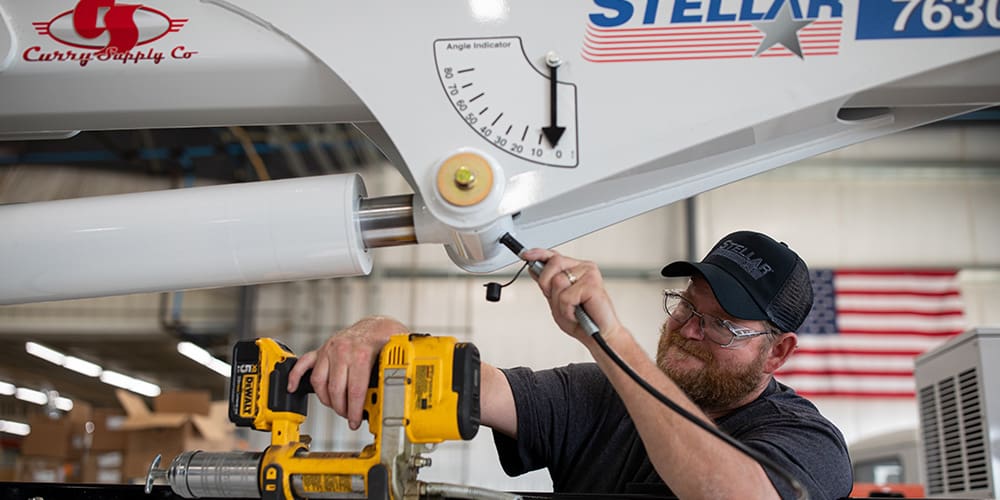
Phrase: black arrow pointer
x=553 y=132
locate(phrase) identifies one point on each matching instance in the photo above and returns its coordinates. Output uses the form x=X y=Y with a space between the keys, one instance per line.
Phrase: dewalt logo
x=248 y=388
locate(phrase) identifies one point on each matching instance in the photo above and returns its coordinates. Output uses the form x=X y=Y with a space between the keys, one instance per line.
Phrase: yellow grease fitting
x=465 y=179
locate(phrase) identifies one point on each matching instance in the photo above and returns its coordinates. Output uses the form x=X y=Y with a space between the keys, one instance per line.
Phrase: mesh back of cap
x=793 y=301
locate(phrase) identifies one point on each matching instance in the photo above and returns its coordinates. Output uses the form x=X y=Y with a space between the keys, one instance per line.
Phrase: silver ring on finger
x=569 y=276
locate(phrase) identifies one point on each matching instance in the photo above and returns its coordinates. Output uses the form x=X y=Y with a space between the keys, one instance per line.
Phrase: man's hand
x=586 y=290
x=342 y=367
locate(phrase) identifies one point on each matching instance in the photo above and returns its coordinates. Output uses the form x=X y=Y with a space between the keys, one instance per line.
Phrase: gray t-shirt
x=571 y=421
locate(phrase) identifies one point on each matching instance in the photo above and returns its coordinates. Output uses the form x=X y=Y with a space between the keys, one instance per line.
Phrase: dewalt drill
x=424 y=390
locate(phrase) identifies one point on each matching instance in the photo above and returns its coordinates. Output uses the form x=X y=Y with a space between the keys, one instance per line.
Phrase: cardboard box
x=108 y=476
x=46 y=470
x=10 y=449
x=66 y=437
x=196 y=402
x=49 y=438
x=168 y=434
x=103 y=468
x=109 y=460
x=108 y=434
x=81 y=413
x=80 y=420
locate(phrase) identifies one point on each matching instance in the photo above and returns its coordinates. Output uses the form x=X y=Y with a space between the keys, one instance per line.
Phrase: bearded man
x=597 y=431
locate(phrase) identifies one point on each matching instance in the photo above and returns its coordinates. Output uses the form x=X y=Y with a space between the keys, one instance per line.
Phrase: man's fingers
x=337 y=388
x=566 y=299
x=341 y=368
x=541 y=254
x=553 y=267
x=357 y=389
x=318 y=380
x=305 y=362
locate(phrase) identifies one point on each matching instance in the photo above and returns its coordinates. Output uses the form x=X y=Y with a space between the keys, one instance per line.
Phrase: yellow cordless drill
x=423 y=390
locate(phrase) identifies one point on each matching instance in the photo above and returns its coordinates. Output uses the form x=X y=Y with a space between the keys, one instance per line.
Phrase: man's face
x=715 y=378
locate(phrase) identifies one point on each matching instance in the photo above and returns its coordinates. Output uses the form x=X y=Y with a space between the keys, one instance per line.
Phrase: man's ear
x=779 y=351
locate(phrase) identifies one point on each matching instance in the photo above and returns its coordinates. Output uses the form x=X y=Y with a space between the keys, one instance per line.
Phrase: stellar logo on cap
x=744 y=257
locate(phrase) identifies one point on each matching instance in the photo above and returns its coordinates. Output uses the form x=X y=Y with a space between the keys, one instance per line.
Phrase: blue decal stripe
x=882 y=19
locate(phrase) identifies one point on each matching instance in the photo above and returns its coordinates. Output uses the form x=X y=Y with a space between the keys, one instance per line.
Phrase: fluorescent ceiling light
x=7 y=389
x=145 y=388
x=31 y=396
x=116 y=379
x=194 y=352
x=204 y=357
x=57 y=358
x=221 y=367
x=18 y=428
x=82 y=366
x=45 y=353
x=132 y=384
x=64 y=404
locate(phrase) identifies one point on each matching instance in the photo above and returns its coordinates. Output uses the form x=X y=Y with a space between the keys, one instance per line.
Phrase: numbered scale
x=507 y=100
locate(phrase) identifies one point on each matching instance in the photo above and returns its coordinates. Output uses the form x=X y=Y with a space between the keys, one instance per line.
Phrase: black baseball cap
x=754 y=277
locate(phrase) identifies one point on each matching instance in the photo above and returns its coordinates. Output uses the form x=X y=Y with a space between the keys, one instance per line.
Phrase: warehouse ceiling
x=152 y=358
x=219 y=153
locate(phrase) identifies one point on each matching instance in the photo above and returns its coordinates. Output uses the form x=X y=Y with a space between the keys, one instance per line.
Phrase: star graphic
x=783 y=29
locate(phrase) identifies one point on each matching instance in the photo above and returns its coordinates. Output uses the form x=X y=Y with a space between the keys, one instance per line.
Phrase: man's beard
x=714 y=387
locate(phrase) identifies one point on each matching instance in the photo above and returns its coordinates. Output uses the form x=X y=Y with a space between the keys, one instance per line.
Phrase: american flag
x=702 y=41
x=867 y=327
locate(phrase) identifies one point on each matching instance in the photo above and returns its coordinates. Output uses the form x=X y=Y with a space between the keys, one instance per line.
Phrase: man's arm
x=497 y=410
x=342 y=367
x=693 y=463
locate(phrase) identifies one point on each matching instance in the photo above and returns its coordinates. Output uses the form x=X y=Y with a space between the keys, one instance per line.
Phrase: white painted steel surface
x=202 y=237
x=641 y=133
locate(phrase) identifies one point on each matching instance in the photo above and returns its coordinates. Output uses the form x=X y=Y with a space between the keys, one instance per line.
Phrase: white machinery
x=545 y=119
x=960 y=416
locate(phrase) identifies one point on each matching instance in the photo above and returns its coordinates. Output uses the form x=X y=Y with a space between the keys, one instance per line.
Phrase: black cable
x=590 y=327
x=493 y=289
x=800 y=491
x=515 y=275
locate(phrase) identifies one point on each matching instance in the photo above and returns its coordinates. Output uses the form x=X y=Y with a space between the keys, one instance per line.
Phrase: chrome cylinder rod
x=387 y=221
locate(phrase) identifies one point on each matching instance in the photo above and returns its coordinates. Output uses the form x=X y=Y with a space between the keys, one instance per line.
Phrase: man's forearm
x=693 y=463
x=497 y=409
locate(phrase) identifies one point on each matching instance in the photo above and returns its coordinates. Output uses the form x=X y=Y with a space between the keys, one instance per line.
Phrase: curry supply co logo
x=678 y=30
x=103 y=30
